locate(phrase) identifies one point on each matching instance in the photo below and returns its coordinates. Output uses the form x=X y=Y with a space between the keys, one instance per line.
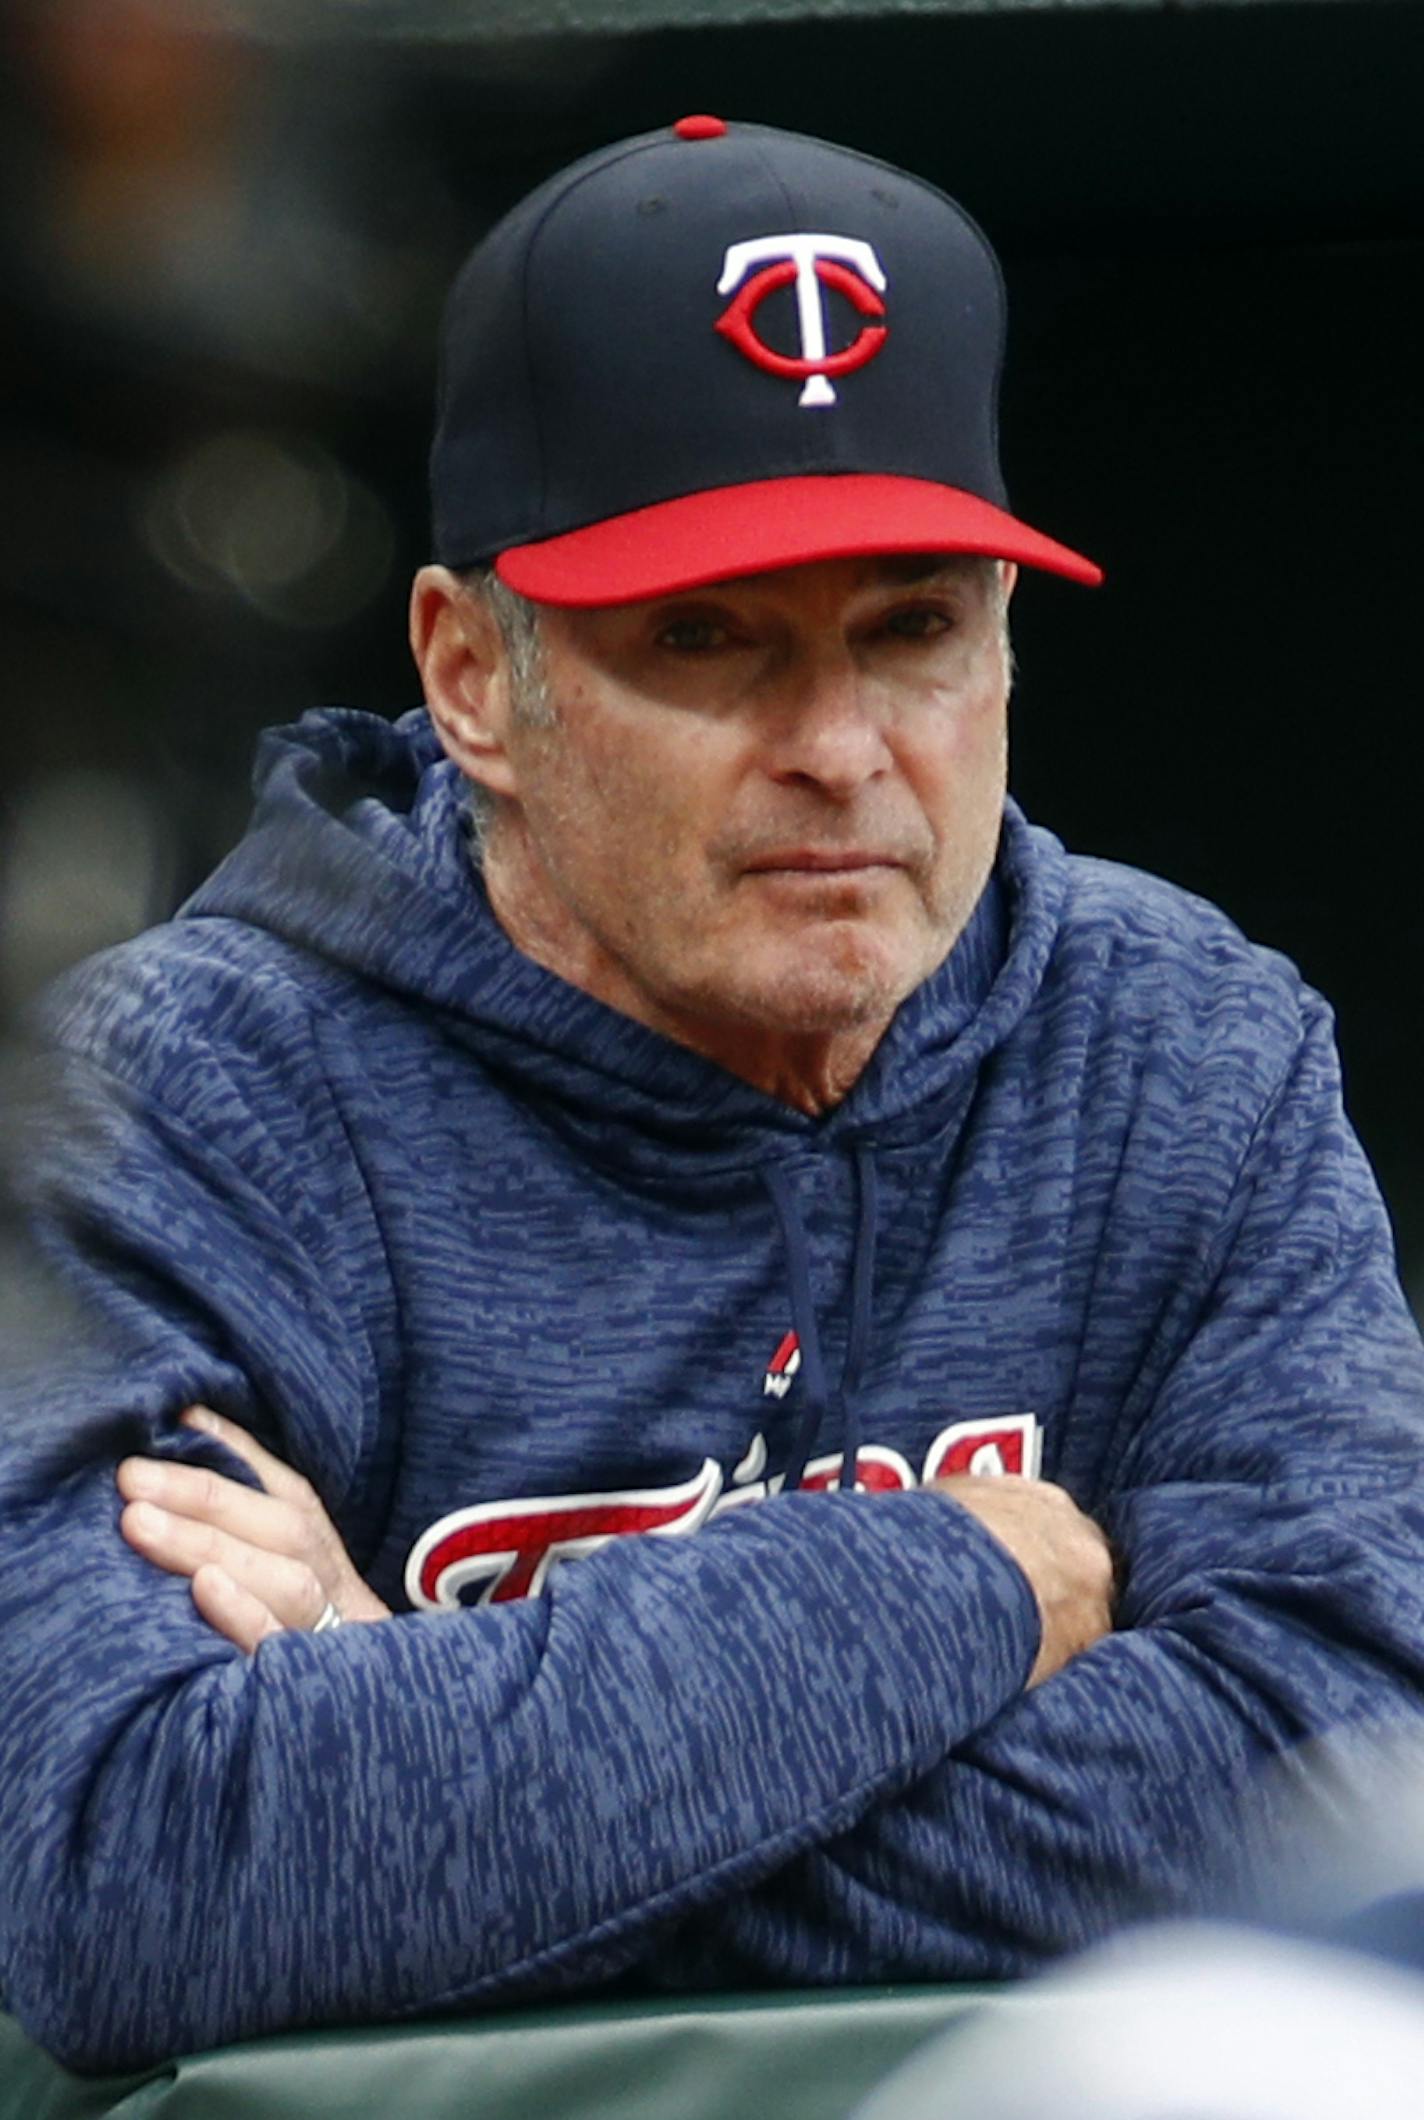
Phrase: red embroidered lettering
x=877 y=1471
x=1010 y=1442
x=507 y=1547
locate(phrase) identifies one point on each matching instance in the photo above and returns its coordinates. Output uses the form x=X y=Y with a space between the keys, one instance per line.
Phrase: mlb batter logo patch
x=781 y=1369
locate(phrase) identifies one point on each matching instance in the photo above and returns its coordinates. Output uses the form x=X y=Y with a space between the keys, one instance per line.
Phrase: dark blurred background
x=226 y=233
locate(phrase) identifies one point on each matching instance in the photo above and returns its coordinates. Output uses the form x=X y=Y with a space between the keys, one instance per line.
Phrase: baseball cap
x=718 y=349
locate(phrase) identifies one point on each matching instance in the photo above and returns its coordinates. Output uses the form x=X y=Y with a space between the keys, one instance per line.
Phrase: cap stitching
x=795 y=216
x=919 y=183
x=752 y=137
x=596 y=165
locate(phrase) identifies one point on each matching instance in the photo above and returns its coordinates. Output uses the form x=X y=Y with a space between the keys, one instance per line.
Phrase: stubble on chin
x=821 y=979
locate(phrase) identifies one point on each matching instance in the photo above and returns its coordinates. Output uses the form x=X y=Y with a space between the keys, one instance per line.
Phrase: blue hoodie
x=510 y=1277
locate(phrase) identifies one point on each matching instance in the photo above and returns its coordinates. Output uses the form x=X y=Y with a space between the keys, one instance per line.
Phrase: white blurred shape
x=1192 y=2022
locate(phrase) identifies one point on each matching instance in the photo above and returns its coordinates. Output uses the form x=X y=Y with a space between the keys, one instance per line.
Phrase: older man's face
x=770 y=804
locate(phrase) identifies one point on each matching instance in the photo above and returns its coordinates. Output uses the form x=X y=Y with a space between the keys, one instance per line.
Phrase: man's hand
x=1065 y=1556
x=258 y=1563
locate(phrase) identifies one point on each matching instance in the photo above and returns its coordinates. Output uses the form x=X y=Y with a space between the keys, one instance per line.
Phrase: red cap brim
x=780 y=522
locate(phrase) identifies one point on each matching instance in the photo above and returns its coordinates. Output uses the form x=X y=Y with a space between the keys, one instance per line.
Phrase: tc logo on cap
x=842 y=262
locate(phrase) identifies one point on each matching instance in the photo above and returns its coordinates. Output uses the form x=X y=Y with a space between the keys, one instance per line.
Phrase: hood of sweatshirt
x=359 y=852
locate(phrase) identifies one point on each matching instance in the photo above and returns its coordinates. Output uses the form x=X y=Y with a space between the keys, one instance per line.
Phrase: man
x=731 y=1124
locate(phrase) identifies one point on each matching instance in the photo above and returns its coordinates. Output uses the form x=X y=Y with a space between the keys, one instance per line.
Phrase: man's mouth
x=820 y=861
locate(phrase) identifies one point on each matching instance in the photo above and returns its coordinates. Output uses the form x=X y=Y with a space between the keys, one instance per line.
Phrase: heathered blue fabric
x=328 y=1153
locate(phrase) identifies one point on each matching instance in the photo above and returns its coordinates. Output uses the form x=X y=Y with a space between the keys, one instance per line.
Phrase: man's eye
x=919 y=622
x=692 y=636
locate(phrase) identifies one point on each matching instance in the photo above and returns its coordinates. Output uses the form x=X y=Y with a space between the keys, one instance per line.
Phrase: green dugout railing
x=792 y=2056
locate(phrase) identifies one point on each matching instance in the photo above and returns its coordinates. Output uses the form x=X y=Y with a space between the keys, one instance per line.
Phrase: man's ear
x=463 y=667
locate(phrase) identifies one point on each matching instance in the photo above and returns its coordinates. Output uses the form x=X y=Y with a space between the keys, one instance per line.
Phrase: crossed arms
x=799 y=1745
x=267 y=1559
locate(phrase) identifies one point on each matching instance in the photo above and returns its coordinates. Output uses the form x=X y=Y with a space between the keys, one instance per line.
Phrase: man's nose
x=826 y=727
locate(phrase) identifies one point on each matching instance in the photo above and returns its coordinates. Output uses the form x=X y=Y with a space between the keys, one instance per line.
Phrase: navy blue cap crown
x=700 y=311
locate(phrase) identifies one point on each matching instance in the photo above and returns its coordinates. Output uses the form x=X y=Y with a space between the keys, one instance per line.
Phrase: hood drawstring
x=862 y=1296
x=820 y=1404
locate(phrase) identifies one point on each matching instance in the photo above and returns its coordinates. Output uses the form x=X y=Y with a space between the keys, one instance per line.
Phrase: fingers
x=277 y=1478
x=278 y=1545
x=289 y=1519
x=288 y=1589
x=231 y=1610
x=194 y=1491
x=1064 y=1554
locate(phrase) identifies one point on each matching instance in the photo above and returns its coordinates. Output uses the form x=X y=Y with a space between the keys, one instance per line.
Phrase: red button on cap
x=701 y=128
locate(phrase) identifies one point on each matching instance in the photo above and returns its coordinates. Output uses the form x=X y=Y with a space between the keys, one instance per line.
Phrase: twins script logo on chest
x=495 y=1551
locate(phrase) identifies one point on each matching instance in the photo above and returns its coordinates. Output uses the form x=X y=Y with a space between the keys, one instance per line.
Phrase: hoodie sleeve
x=1269 y=1510
x=197 y=1847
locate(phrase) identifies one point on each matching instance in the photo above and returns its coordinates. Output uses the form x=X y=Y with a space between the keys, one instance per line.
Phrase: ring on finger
x=328 y=1619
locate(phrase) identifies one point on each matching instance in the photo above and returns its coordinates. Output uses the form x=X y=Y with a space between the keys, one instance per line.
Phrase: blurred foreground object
x=87 y=861
x=1197 y=2022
